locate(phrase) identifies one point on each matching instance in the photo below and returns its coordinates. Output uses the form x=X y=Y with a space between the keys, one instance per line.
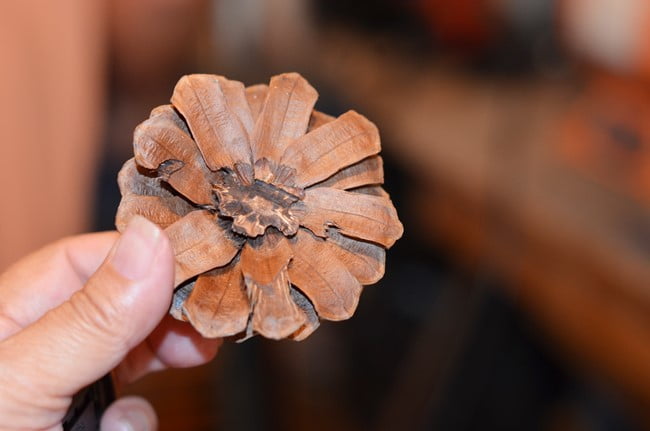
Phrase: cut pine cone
x=274 y=210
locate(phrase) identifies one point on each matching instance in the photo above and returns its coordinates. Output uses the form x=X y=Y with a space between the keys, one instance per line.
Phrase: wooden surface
x=490 y=188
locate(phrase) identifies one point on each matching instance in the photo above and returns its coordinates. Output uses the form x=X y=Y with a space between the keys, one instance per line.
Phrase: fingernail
x=135 y=251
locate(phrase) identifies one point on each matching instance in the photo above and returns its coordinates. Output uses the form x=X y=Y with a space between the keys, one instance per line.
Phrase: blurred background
x=517 y=149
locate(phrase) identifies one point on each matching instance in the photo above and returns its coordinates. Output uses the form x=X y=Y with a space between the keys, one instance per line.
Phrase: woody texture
x=275 y=211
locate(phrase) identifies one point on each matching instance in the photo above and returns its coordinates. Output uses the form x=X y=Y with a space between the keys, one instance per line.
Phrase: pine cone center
x=255 y=205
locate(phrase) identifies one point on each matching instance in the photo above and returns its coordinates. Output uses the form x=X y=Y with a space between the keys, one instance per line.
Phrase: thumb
x=87 y=336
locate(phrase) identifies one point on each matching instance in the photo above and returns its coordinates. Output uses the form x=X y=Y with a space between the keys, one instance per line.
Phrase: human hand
x=67 y=319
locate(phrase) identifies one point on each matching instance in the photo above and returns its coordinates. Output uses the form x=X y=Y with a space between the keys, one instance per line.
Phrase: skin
x=80 y=308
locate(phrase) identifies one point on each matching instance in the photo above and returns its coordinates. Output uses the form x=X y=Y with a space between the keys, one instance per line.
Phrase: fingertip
x=209 y=347
x=178 y=345
x=173 y=344
x=129 y=414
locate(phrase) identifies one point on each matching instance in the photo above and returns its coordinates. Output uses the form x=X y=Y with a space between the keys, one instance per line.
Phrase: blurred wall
x=51 y=75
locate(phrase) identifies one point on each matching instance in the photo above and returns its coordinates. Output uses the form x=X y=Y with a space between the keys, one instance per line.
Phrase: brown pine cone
x=274 y=210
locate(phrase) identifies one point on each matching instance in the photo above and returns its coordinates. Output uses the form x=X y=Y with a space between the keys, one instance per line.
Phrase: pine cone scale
x=159 y=144
x=365 y=261
x=219 y=134
x=200 y=244
x=218 y=305
x=366 y=217
x=318 y=273
x=256 y=97
x=284 y=116
x=144 y=196
x=264 y=265
x=368 y=171
x=320 y=154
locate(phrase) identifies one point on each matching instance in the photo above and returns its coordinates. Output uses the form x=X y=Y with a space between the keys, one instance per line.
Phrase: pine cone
x=273 y=209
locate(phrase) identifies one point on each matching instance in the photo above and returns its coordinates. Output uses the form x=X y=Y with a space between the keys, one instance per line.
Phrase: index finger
x=48 y=277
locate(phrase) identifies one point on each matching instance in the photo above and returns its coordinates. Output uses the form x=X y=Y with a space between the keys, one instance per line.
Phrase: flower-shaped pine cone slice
x=275 y=211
